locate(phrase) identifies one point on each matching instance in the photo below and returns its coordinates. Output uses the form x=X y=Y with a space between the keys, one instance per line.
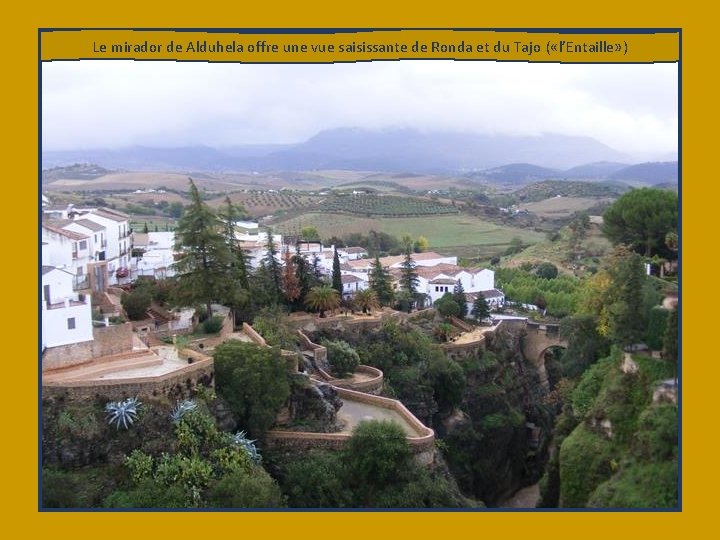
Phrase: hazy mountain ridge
x=388 y=150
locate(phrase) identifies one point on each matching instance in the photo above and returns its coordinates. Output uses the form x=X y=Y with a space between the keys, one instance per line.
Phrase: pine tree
x=480 y=309
x=336 y=275
x=204 y=254
x=272 y=265
x=317 y=269
x=409 y=279
x=380 y=283
x=239 y=266
x=459 y=297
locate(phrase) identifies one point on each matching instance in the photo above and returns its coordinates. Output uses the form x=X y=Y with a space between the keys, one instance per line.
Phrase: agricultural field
x=465 y=236
x=385 y=205
x=154 y=223
x=562 y=207
x=263 y=203
x=122 y=181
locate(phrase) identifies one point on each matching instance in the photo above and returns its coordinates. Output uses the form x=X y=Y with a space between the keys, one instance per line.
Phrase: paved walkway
x=475 y=335
x=354 y=412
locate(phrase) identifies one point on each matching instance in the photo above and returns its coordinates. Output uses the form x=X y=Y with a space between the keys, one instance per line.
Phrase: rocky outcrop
x=313 y=405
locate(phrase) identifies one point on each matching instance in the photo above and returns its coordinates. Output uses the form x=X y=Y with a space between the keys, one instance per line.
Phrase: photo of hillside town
x=383 y=285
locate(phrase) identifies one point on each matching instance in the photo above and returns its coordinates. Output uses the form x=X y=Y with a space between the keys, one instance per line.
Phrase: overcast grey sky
x=99 y=104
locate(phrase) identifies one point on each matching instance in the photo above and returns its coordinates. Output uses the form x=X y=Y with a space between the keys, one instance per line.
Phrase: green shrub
x=657 y=435
x=342 y=357
x=586 y=460
x=584 y=395
x=640 y=485
x=213 y=325
x=136 y=303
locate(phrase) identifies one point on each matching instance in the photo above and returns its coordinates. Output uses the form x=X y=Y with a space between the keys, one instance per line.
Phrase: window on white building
x=71 y=323
x=83 y=244
x=79 y=271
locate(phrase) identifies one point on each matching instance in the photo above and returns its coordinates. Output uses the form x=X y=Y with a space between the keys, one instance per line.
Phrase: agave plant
x=122 y=413
x=240 y=438
x=182 y=407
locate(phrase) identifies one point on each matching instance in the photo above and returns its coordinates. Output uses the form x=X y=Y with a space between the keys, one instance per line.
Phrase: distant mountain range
x=524 y=173
x=393 y=150
x=531 y=158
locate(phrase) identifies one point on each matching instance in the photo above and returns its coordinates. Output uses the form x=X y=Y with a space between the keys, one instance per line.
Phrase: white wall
x=66 y=253
x=55 y=326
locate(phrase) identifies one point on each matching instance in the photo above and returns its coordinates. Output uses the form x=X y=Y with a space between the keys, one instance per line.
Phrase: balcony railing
x=65 y=303
x=81 y=282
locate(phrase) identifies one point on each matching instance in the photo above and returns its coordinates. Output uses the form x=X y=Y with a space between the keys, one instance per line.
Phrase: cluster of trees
x=557 y=295
x=253 y=380
x=416 y=371
x=381 y=243
x=375 y=470
x=214 y=268
x=642 y=220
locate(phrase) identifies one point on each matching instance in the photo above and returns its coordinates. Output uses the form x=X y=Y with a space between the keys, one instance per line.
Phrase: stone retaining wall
x=253 y=335
x=373 y=385
x=176 y=385
x=107 y=341
x=460 y=351
x=422 y=445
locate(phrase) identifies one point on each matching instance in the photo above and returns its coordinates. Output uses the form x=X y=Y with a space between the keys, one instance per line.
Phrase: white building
x=66 y=316
x=437 y=280
x=352 y=253
x=495 y=298
x=103 y=240
x=158 y=256
x=118 y=239
x=69 y=250
x=352 y=284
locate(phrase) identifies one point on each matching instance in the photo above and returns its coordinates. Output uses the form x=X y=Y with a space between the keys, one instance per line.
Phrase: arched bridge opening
x=538 y=339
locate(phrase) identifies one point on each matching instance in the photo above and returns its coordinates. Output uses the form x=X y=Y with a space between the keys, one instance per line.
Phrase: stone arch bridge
x=538 y=339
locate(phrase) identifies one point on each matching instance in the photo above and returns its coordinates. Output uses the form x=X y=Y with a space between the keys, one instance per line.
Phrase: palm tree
x=366 y=300
x=322 y=298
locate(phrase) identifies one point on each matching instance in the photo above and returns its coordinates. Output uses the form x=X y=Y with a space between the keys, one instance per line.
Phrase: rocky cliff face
x=498 y=443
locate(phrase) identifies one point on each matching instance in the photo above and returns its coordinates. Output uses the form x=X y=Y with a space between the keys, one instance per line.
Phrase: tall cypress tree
x=627 y=317
x=291 y=284
x=336 y=275
x=204 y=254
